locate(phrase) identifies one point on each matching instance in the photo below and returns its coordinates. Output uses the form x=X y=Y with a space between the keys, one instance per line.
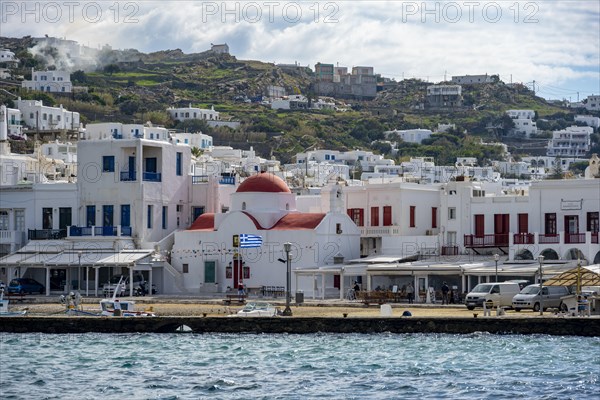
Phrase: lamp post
x=288 y=248
x=496 y=258
x=79 y=254
x=541 y=261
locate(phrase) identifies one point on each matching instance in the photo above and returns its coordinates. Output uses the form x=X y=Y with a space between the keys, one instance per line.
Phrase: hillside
x=130 y=86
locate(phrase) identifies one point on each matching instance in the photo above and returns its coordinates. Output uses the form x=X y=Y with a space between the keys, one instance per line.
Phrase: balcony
x=493 y=240
x=548 y=239
x=227 y=180
x=128 y=176
x=524 y=238
x=574 y=238
x=152 y=176
x=197 y=179
x=46 y=234
x=91 y=231
x=12 y=237
x=378 y=231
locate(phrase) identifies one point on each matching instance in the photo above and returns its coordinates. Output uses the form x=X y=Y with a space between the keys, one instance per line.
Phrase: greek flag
x=247 y=241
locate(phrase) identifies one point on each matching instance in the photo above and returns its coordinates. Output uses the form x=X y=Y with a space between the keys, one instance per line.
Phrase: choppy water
x=247 y=366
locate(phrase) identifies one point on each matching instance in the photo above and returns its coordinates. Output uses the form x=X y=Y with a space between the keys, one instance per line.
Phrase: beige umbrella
x=578 y=276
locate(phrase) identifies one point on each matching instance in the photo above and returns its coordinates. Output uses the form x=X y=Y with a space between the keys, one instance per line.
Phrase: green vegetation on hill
x=141 y=88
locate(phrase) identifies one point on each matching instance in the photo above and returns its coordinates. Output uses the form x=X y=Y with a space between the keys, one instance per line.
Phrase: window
x=593 y=221
x=179 y=163
x=523 y=221
x=186 y=268
x=550 y=224
x=47 y=218
x=434 y=217
x=108 y=164
x=20 y=220
x=210 y=275
x=243 y=205
x=125 y=215
x=374 y=216
x=90 y=215
x=196 y=212
x=412 y=222
x=107 y=215
x=501 y=224
x=451 y=212
x=3 y=220
x=479 y=225
x=149 y=217
x=387 y=215
x=357 y=215
x=64 y=217
x=165 y=213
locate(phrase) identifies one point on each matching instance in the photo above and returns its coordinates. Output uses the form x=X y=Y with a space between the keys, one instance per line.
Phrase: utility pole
x=534 y=87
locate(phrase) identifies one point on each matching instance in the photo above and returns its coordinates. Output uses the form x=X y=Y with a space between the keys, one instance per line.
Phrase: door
x=64 y=217
x=479 y=225
x=90 y=216
x=131 y=168
x=571 y=224
x=58 y=279
x=125 y=215
x=523 y=223
x=237 y=272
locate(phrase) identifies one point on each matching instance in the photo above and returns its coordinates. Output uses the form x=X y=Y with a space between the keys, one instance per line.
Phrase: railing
x=574 y=238
x=524 y=238
x=98 y=231
x=548 y=239
x=117 y=136
x=125 y=231
x=227 y=180
x=152 y=176
x=493 y=240
x=595 y=237
x=196 y=179
x=127 y=176
x=449 y=250
x=46 y=234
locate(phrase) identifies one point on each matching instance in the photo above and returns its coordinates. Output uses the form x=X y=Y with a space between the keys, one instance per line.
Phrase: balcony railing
x=152 y=176
x=548 y=239
x=227 y=180
x=574 y=238
x=128 y=176
x=523 y=238
x=493 y=240
x=196 y=179
x=449 y=250
x=46 y=234
x=99 y=231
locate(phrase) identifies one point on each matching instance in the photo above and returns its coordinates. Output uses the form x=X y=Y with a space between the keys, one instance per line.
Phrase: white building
x=8 y=57
x=472 y=79
x=263 y=205
x=592 y=103
x=409 y=135
x=14 y=123
x=37 y=116
x=573 y=141
x=191 y=113
x=219 y=48
x=199 y=140
x=523 y=120
x=49 y=81
x=589 y=120
x=355 y=158
x=117 y=130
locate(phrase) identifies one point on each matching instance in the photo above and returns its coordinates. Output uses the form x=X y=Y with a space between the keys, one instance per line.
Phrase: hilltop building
x=573 y=141
x=337 y=82
x=592 y=103
x=472 y=79
x=39 y=117
x=49 y=81
x=444 y=96
x=523 y=120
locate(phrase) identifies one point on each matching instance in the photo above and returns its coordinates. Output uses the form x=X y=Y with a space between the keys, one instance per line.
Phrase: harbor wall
x=301 y=325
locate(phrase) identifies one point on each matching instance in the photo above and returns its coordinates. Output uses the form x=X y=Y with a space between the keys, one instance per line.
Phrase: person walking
x=445 y=291
x=410 y=291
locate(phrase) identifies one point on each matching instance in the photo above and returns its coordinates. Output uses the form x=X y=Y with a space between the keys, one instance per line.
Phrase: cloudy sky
x=554 y=42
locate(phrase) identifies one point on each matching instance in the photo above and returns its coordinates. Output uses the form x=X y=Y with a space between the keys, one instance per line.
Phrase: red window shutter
x=479 y=225
x=412 y=216
x=387 y=216
x=361 y=217
x=523 y=223
x=375 y=216
x=434 y=217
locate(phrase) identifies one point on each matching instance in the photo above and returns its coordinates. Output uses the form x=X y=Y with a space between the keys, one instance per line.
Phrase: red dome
x=265 y=183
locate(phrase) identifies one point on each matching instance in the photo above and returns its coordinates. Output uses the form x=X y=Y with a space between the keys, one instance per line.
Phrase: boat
x=4 y=307
x=114 y=307
x=258 y=309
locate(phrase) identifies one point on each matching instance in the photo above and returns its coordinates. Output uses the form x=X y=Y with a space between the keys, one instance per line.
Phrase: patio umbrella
x=578 y=276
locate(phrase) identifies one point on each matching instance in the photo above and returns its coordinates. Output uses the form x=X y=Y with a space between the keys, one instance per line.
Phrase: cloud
x=549 y=40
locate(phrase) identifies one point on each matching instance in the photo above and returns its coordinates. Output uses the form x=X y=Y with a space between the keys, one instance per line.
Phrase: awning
x=70 y=258
x=588 y=275
x=15 y=259
x=124 y=257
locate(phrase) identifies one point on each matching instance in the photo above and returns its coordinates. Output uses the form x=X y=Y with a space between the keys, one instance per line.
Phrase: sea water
x=316 y=366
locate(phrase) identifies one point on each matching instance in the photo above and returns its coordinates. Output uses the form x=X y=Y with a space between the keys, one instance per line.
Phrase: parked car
x=109 y=288
x=530 y=297
x=497 y=294
x=25 y=285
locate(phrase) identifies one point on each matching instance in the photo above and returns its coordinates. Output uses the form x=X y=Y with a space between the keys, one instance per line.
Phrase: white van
x=496 y=294
x=530 y=297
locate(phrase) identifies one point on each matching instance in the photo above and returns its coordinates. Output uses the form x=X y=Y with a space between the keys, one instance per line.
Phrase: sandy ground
x=215 y=308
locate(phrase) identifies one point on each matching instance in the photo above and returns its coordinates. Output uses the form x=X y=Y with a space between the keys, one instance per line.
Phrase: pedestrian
x=410 y=291
x=445 y=291
x=241 y=288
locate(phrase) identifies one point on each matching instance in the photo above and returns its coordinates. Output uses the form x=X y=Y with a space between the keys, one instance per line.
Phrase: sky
x=555 y=43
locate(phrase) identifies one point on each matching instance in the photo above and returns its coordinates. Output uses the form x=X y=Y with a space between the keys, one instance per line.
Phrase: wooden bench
x=238 y=298
x=14 y=296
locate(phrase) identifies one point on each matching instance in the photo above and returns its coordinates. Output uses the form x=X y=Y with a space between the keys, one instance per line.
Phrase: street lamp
x=541 y=261
x=288 y=248
x=496 y=258
x=79 y=254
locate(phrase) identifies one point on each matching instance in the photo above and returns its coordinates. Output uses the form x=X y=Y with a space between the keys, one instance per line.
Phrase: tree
x=111 y=69
x=79 y=76
x=557 y=169
x=197 y=152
